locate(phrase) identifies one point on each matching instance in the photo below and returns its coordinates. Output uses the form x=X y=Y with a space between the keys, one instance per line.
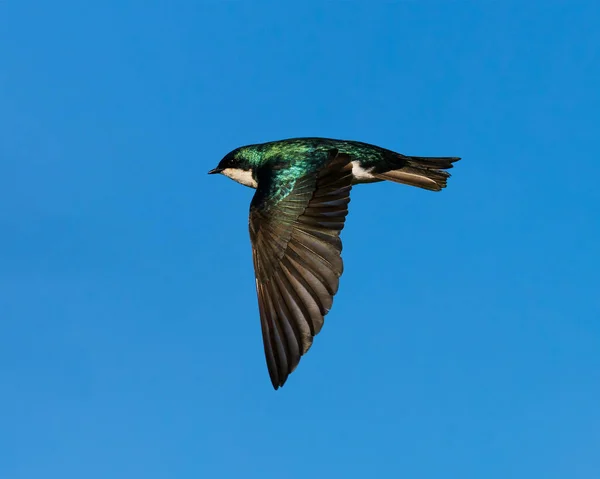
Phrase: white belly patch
x=360 y=173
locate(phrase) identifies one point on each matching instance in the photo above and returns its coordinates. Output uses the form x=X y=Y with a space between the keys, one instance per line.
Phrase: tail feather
x=422 y=172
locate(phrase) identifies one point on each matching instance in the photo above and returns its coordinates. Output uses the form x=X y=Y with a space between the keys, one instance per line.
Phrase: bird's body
x=296 y=216
x=298 y=156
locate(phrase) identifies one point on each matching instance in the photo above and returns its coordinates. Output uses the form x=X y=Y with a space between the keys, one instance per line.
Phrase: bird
x=296 y=216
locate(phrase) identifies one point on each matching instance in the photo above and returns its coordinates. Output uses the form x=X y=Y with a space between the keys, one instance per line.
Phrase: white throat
x=243 y=177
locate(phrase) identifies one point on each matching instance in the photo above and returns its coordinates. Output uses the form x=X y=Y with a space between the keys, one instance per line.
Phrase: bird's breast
x=244 y=177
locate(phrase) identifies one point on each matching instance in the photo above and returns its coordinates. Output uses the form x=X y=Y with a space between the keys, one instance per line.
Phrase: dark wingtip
x=277 y=383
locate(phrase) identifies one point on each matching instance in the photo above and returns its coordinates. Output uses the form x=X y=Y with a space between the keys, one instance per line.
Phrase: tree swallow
x=296 y=216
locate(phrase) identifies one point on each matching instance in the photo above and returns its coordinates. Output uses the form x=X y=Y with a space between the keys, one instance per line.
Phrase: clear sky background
x=465 y=338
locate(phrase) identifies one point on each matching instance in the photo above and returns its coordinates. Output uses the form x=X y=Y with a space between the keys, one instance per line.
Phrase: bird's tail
x=423 y=172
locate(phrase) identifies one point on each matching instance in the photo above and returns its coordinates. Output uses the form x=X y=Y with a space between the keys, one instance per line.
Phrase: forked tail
x=423 y=172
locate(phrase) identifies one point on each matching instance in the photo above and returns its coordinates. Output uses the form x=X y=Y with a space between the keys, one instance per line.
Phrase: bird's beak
x=215 y=171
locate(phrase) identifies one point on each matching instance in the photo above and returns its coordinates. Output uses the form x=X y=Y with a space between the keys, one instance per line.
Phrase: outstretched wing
x=295 y=225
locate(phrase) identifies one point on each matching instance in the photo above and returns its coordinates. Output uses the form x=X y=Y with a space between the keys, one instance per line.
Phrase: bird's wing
x=296 y=250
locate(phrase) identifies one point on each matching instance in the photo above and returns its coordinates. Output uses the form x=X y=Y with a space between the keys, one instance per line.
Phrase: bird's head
x=237 y=166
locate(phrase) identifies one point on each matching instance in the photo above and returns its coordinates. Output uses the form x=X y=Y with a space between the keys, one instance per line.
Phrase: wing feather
x=296 y=250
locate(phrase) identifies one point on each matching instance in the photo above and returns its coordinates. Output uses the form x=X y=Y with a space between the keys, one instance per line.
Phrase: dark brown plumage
x=296 y=250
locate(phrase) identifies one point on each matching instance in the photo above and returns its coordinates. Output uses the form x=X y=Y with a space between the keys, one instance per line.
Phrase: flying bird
x=296 y=216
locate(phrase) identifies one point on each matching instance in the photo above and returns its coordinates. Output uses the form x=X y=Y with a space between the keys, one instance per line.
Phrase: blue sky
x=465 y=338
